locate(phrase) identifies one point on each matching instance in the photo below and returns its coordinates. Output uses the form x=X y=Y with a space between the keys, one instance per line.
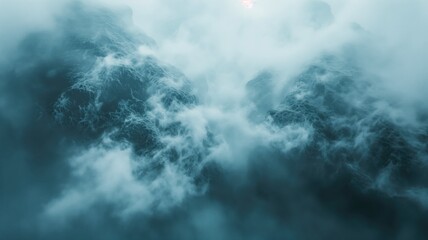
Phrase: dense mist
x=162 y=119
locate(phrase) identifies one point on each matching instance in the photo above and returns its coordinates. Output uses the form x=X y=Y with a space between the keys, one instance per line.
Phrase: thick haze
x=162 y=119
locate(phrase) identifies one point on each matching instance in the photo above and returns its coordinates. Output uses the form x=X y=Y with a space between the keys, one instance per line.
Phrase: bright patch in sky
x=247 y=3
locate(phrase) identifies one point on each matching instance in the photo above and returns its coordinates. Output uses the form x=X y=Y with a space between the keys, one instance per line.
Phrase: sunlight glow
x=247 y=3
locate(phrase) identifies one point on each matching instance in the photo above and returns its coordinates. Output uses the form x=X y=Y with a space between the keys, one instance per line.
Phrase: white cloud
x=109 y=174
